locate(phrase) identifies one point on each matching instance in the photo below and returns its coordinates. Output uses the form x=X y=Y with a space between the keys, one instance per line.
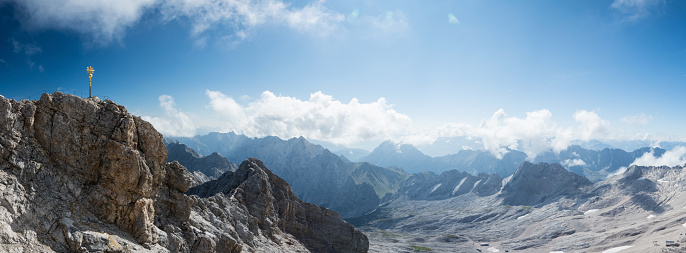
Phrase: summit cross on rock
x=90 y=71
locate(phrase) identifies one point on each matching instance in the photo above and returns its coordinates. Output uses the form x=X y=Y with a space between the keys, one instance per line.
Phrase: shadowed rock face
x=85 y=175
x=272 y=203
x=534 y=184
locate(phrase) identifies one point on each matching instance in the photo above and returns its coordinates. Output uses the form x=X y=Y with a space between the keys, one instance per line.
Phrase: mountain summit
x=84 y=175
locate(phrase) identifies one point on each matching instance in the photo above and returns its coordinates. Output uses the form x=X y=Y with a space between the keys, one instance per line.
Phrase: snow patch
x=617 y=249
x=435 y=187
x=590 y=211
x=650 y=216
x=475 y=184
x=556 y=252
x=684 y=224
x=492 y=249
x=662 y=181
x=458 y=185
x=521 y=217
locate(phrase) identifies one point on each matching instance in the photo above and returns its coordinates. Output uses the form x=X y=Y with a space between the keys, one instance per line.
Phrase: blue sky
x=523 y=74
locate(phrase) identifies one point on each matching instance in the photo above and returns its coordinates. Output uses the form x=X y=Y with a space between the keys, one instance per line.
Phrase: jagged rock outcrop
x=535 y=184
x=85 y=175
x=273 y=206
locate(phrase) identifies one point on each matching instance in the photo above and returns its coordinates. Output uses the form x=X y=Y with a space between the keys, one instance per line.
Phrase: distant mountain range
x=593 y=164
x=314 y=173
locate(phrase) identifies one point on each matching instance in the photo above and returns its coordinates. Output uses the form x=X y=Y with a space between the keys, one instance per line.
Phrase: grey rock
x=85 y=175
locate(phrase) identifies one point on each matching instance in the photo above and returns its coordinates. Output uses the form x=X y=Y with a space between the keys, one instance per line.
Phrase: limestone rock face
x=535 y=184
x=83 y=175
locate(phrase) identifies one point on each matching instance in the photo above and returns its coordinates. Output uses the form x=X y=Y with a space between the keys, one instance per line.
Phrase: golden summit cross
x=90 y=76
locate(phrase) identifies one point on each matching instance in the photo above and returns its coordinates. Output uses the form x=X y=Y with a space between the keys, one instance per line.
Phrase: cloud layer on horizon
x=319 y=118
x=323 y=118
x=674 y=157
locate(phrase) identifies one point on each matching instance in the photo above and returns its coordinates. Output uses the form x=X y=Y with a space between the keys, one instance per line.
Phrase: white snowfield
x=590 y=211
x=617 y=249
x=492 y=249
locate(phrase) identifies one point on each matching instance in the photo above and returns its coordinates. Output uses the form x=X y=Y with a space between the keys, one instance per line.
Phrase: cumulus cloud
x=591 y=125
x=573 y=162
x=674 y=157
x=633 y=10
x=533 y=134
x=320 y=118
x=452 y=19
x=175 y=122
x=638 y=119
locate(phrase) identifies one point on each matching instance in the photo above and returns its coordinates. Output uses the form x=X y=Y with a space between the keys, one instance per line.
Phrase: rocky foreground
x=84 y=175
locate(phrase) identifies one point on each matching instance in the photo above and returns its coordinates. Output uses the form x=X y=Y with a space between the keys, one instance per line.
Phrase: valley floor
x=614 y=221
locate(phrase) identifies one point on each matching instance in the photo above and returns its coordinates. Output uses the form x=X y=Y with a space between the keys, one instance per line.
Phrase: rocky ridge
x=84 y=175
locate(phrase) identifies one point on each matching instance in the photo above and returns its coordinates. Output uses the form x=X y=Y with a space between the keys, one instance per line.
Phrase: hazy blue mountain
x=595 y=165
x=412 y=160
x=443 y=146
x=593 y=144
x=405 y=156
x=314 y=173
x=480 y=161
x=352 y=154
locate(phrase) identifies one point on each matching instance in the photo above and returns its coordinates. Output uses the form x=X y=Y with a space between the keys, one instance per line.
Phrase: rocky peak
x=274 y=206
x=534 y=184
x=84 y=175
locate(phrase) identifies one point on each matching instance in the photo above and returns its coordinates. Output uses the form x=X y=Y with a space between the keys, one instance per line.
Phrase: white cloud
x=573 y=162
x=101 y=21
x=105 y=21
x=619 y=171
x=636 y=9
x=175 y=122
x=243 y=16
x=592 y=126
x=674 y=157
x=319 y=118
x=638 y=119
x=533 y=134
x=452 y=19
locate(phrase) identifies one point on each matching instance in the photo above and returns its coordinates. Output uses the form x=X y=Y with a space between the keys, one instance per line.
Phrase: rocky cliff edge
x=84 y=175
